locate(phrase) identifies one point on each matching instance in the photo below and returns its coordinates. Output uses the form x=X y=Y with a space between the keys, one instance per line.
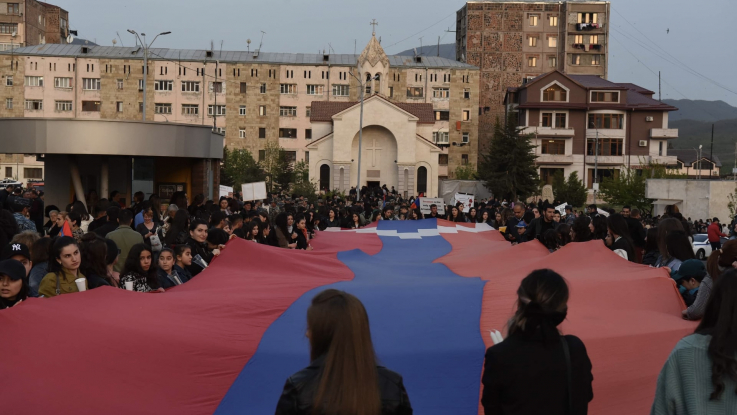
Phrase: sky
x=696 y=58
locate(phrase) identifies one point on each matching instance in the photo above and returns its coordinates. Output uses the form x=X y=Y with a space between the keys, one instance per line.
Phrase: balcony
x=583 y=27
x=556 y=159
x=548 y=131
x=664 y=133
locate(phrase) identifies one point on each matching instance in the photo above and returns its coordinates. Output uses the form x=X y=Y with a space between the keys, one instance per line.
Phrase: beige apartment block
x=515 y=41
x=31 y=22
x=250 y=97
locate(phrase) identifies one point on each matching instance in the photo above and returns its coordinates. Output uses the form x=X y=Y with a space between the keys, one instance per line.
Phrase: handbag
x=156 y=244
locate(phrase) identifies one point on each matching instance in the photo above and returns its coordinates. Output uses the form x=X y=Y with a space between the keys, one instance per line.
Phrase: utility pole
x=145 y=62
x=659 y=87
x=596 y=166
x=438 y=46
x=711 y=149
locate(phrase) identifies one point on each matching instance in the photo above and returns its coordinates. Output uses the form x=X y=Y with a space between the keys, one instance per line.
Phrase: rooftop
x=688 y=156
x=323 y=111
x=200 y=55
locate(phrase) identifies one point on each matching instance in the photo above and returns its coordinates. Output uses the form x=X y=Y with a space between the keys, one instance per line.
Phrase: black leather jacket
x=301 y=387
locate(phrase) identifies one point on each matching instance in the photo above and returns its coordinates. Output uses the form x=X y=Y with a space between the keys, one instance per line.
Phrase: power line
x=415 y=34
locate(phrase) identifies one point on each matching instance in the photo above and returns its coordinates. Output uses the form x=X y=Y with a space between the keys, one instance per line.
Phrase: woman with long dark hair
x=178 y=231
x=472 y=215
x=84 y=217
x=456 y=215
x=64 y=261
x=618 y=236
x=581 y=229
x=678 y=248
x=283 y=236
x=599 y=230
x=140 y=270
x=343 y=376
x=651 y=248
x=536 y=370
x=94 y=261
x=700 y=376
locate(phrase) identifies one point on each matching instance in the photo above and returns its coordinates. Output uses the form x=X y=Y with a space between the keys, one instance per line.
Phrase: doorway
x=372 y=185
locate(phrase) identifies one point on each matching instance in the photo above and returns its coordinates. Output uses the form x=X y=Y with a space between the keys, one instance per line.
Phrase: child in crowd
x=183 y=255
x=168 y=276
x=521 y=229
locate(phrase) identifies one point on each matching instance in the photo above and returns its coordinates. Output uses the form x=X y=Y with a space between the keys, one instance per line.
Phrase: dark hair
x=179 y=224
x=581 y=230
x=679 y=246
x=125 y=217
x=94 y=257
x=542 y=296
x=133 y=265
x=665 y=226
x=339 y=330
x=281 y=223
x=179 y=199
x=112 y=252
x=217 y=217
x=249 y=229
x=550 y=239
x=196 y=223
x=8 y=227
x=40 y=251
x=722 y=258
x=78 y=208
x=22 y=294
x=55 y=254
x=75 y=217
x=618 y=226
x=179 y=250
x=600 y=227
x=217 y=236
x=651 y=240
x=720 y=321
x=564 y=234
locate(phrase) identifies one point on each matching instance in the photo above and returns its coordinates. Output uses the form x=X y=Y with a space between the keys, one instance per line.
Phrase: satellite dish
x=70 y=38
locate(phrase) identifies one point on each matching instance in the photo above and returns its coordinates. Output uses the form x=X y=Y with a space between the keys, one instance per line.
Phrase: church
x=403 y=144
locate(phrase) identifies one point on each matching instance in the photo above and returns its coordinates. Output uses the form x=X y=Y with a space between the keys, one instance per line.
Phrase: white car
x=702 y=247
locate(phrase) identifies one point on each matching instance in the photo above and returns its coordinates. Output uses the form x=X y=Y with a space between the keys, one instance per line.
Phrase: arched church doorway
x=422 y=180
x=325 y=177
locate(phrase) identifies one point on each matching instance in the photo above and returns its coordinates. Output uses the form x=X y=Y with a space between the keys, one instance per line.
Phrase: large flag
x=225 y=342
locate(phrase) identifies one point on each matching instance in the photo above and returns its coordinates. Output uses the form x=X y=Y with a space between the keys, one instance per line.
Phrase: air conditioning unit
x=649 y=119
x=643 y=143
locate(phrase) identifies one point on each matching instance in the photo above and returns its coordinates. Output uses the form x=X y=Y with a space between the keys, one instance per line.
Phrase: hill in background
x=693 y=133
x=710 y=111
x=447 y=51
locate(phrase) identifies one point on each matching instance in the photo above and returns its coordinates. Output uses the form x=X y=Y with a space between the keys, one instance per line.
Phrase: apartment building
x=251 y=97
x=584 y=123
x=31 y=22
x=511 y=41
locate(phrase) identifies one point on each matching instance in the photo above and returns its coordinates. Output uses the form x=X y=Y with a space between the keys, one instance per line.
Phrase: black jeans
x=716 y=245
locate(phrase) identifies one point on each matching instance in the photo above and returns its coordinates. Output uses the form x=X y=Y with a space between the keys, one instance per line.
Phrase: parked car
x=702 y=247
x=6 y=182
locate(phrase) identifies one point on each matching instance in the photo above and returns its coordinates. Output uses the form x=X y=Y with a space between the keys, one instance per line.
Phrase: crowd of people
x=151 y=245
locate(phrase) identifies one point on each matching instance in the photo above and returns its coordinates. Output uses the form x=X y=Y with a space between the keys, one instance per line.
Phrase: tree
x=508 y=168
x=571 y=190
x=467 y=172
x=628 y=188
x=276 y=166
x=238 y=167
x=302 y=184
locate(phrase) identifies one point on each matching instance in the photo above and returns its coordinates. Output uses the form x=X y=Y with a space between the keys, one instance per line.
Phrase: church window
x=287 y=133
x=287 y=111
x=315 y=89
x=288 y=88
x=441 y=137
x=261 y=134
x=442 y=115
x=340 y=90
x=415 y=92
x=466 y=115
x=442 y=93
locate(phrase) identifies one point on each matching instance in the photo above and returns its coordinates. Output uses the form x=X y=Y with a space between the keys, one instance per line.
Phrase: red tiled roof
x=323 y=111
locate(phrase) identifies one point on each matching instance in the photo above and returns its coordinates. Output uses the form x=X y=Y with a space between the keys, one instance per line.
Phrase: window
x=596 y=60
x=553 y=146
x=261 y=134
x=287 y=111
x=8 y=28
x=560 y=120
x=220 y=130
x=441 y=137
x=190 y=109
x=660 y=148
x=465 y=138
x=289 y=74
x=287 y=133
x=606 y=121
x=261 y=155
x=308 y=112
x=242 y=110
x=140 y=107
x=552 y=61
x=552 y=20
x=9 y=81
x=91 y=106
x=466 y=115
x=34 y=104
x=464 y=159
x=555 y=93
x=578 y=39
x=605 y=97
x=163 y=86
x=162 y=108
x=63 y=105
x=442 y=93
x=531 y=61
x=415 y=92
x=244 y=88
x=340 y=90
x=8 y=172
x=391 y=92
x=442 y=115
x=552 y=41
x=547 y=174
x=241 y=132
x=119 y=106
x=532 y=40
x=34 y=81
x=533 y=19
x=13 y=8
x=307 y=157
x=217 y=87
x=62 y=83
x=442 y=159
x=594 y=39
x=254 y=72
x=262 y=110
x=547 y=119
x=588 y=17
x=466 y=94
x=288 y=89
x=607 y=146
x=91 y=84
x=291 y=156
x=218 y=110
x=33 y=172
x=140 y=85
x=308 y=133
x=315 y=89
x=9 y=103
x=119 y=83
x=263 y=89
x=575 y=59
x=190 y=86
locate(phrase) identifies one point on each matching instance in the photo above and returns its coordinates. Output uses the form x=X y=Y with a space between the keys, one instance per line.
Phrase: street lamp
x=145 y=62
x=360 y=131
x=596 y=161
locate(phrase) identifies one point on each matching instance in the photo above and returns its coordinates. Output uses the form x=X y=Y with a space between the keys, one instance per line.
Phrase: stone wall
x=17 y=91
x=111 y=70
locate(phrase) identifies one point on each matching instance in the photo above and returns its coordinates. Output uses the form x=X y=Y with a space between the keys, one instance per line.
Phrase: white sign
x=425 y=203
x=467 y=201
x=602 y=212
x=226 y=191
x=254 y=191
x=561 y=209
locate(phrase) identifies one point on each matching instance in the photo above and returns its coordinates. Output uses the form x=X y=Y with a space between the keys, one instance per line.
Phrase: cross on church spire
x=374 y=23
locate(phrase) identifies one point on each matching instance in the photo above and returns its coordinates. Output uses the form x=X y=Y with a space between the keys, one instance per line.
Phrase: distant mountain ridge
x=699 y=110
x=692 y=133
x=447 y=51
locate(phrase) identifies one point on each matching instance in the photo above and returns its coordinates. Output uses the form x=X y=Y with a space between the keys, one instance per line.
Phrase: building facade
x=511 y=41
x=30 y=23
x=694 y=165
x=584 y=123
x=251 y=97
